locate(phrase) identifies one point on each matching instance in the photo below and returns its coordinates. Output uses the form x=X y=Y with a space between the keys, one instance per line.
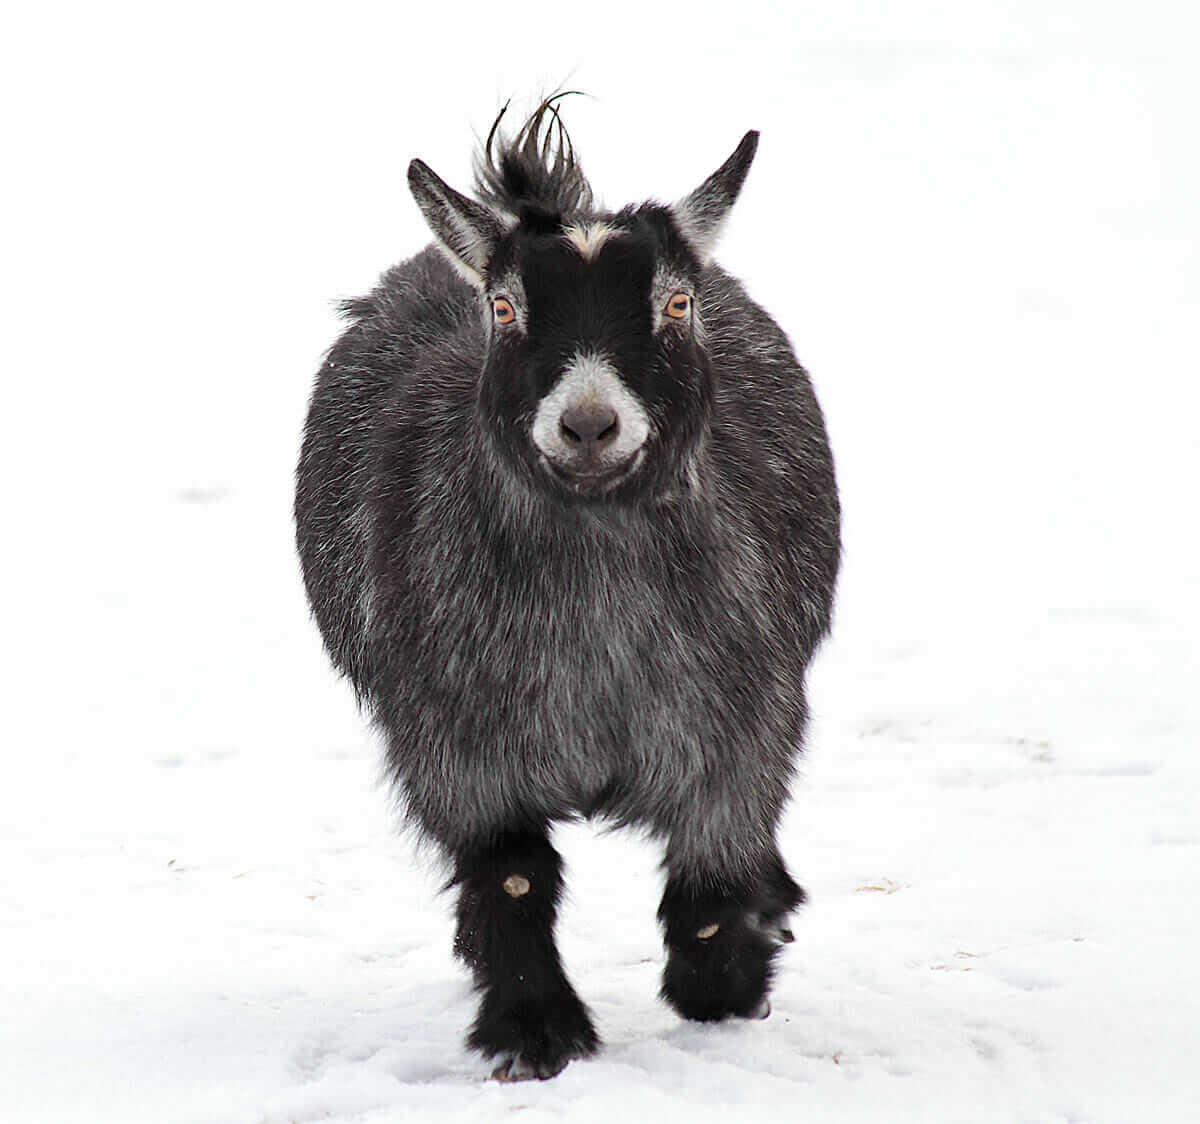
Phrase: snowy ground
x=978 y=225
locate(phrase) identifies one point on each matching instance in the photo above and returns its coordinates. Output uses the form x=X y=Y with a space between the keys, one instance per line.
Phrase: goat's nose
x=589 y=424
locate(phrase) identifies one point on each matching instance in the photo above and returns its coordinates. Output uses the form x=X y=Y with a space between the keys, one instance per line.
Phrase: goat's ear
x=467 y=232
x=700 y=215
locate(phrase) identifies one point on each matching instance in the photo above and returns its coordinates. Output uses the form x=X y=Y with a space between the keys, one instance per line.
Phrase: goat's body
x=530 y=659
x=571 y=529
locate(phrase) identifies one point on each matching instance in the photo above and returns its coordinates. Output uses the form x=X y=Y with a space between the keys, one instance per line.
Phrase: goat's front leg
x=530 y=1018
x=722 y=933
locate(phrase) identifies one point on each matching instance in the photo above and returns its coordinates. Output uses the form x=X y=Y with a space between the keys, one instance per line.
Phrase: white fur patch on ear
x=701 y=215
x=468 y=273
x=701 y=228
x=469 y=249
x=589 y=239
x=467 y=232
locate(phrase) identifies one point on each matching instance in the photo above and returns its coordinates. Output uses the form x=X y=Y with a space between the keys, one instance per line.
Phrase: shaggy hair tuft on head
x=534 y=175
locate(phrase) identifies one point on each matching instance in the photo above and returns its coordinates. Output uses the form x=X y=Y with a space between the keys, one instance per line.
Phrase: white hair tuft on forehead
x=590 y=238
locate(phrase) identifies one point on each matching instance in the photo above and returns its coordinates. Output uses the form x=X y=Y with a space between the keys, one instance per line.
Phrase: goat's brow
x=589 y=238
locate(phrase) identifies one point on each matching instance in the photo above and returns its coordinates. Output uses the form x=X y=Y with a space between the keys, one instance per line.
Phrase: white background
x=978 y=225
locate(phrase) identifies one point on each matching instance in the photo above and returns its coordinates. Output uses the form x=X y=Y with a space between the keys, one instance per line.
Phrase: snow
x=978 y=225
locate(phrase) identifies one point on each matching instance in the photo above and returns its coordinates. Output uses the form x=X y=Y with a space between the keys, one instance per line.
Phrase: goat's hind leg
x=530 y=1019
x=722 y=936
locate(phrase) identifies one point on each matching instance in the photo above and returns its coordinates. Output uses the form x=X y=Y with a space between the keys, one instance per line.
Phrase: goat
x=567 y=519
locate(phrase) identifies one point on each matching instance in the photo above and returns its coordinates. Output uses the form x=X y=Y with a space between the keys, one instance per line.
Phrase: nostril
x=589 y=424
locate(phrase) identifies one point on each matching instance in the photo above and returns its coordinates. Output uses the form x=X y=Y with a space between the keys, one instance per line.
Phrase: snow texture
x=977 y=224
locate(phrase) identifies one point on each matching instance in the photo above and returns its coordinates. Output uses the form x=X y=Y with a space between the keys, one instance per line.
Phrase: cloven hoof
x=516 y=885
x=512 y=1070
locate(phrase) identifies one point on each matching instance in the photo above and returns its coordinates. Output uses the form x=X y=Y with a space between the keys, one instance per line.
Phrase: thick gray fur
x=530 y=658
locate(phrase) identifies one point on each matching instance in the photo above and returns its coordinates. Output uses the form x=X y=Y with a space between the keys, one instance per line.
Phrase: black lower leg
x=529 y=1015
x=722 y=938
x=778 y=895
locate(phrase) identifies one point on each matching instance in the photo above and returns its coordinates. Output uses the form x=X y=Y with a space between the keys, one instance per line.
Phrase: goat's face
x=596 y=383
x=596 y=376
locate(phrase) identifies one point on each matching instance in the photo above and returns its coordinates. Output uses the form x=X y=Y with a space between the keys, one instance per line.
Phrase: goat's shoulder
x=419 y=299
x=744 y=341
x=418 y=330
x=764 y=400
x=770 y=456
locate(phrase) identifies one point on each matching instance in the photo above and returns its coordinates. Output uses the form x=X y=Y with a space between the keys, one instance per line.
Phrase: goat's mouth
x=593 y=479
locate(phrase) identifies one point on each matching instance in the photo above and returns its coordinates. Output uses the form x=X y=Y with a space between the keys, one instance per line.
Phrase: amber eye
x=679 y=306
x=503 y=311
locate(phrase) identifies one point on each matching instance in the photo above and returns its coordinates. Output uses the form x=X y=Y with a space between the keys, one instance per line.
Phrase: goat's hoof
x=774 y=928
x=517 y=1068
x=762 y=1011
x=530 y=1039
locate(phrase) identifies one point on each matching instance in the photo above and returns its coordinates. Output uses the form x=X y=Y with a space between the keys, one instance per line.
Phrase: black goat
x=568 y=521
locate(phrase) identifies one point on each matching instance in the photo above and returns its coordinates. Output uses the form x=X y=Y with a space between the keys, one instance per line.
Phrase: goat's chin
x=592 y=484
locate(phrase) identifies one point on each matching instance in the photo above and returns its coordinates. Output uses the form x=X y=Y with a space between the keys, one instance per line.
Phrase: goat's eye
x=679 y=306
x=503 y=311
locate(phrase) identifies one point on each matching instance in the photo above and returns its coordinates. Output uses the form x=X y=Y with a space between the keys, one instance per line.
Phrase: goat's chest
x=584 y=661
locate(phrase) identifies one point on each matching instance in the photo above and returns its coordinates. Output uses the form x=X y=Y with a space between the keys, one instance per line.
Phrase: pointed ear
x=467 y=232
x=699 y=216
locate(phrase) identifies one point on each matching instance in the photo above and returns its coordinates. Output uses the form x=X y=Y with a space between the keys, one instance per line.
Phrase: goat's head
x=597 y=382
